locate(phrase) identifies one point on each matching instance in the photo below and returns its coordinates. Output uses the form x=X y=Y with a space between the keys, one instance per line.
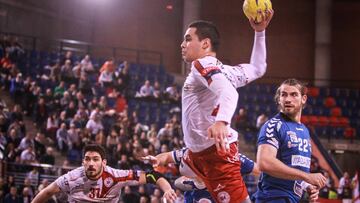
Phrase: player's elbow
x=264 y=164
x=261 y=70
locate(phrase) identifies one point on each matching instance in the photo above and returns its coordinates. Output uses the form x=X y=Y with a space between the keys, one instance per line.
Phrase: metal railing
x=22 y=171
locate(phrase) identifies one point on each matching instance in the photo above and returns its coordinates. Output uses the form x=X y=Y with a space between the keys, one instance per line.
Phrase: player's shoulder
x=75 y=173
x=208 y=61
x=113 y=171
x=273 y=123
x=206 y=64
x=71 y=179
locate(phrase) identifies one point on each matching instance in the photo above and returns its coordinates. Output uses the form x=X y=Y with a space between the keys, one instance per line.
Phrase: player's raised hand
x=169 y=196
x=316 y=179
x=153 y=160
x=313 y=193
x=219 y=132
x=260 y=25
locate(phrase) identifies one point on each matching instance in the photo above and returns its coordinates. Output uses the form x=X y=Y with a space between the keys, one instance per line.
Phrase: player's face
x=291 y=101
x=93 y=165
x=191 y=47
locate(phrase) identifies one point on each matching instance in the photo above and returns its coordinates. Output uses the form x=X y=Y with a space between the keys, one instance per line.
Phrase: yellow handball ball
x=251 y=8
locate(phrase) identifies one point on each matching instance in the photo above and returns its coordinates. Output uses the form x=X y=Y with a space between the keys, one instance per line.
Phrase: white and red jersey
x=106 y=189
x=209 y=94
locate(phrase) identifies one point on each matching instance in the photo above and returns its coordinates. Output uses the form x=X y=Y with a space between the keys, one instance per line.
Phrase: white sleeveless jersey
x=209 y=94
x=106 y=189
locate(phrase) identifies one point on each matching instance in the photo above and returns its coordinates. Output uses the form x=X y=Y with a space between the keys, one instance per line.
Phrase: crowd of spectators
x=69 y=111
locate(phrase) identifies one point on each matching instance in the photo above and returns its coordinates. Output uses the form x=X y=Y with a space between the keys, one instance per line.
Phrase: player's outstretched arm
x=169 y=193
x=158 y=179
x=46 y=193
x=257 y=66
x=160 y=159
x=268 y=163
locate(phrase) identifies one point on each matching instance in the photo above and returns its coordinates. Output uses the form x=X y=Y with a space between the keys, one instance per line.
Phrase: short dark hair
x=301 y=86
x=207 y=29
x=95 y=148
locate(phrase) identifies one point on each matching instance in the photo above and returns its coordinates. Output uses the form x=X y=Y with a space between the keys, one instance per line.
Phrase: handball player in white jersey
x=209 y=100
x=96 y=182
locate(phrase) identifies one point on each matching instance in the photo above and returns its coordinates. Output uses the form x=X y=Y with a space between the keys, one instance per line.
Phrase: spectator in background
x=260 y=120
x=59 y=90
x=122 y=66
x=40 y=143
x=49 y=100
x=55 y=72
x=165 y=134
x=241 y=121
x=27 y=97
x=119 y=85
x=17 y=115
x=52 y=125
x=12 y=197
x=10 y=152
x=157 y=92
x=9 y=183
x=28 y=155
x=66 y=73
x=85 y=85
x=147 y=90
x=143 y=194
x=62 y=137
x=17 y=88
x=102 y=103
x=94 y=125
x=80 y=118
x=71 y=110
x=124 y=75
x=26 y=196
x=77 y=71
x=27 y=183
x=26 y=141
x=72 y=91
x=14 y=136
x=40 y=113
x=121 y=103
x=345 y=188
x=106 y=78
x=324 y=192
x=33 y=175
x=74 y=138
x=5 y=63
x=112 y=140
x=48 y=157
x=93 y=104
x=356 y=188
x=130 y=196
x=68 y=57
x=108 y=65
x=65 y=100
x=44 y=183
x=87 y=65
x=172 y=93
